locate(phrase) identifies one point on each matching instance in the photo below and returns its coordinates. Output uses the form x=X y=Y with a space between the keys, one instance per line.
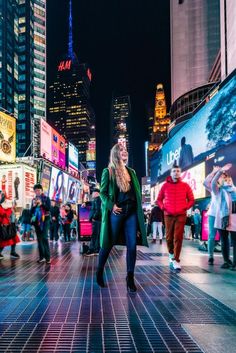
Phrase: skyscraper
x=195 y=43
x=31 y=74
x=120 y=116
x=69 y=108
x=9 y=56
x=23 y=68
x=161 y=120
x=228 y=35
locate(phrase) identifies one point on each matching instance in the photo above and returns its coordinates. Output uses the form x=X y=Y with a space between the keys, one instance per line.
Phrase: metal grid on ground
x=60 y=308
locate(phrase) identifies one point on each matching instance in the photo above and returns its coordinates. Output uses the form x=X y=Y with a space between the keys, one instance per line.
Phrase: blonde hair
x=118 y=167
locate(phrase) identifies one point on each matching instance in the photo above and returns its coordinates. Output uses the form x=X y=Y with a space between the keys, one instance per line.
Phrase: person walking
x=26 y=223
x=211 y=215
x=95 y=217
x=66 y=221
x=225 y=216
x=8 y=234
x=175 y=198
x=54 y=223
x=40 y=212
x=197 y=223
x=156 y=220
x=122 y=214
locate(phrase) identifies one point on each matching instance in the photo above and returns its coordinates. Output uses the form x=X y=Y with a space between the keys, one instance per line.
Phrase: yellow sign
x=7 y=138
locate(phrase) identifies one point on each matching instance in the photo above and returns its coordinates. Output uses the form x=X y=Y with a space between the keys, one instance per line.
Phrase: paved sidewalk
x=60 y=308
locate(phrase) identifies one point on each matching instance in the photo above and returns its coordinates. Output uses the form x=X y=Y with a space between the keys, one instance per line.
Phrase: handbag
x=7 y=231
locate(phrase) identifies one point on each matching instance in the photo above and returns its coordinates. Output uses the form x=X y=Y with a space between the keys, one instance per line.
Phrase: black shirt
x=124 y=198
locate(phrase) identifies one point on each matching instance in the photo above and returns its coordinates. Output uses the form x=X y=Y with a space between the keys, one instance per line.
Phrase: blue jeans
x=211 y=236
x=129 y=224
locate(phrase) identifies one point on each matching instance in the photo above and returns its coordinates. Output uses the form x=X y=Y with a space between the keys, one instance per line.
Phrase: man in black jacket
x=95 y=217
x=40 y=212
x=54 y=224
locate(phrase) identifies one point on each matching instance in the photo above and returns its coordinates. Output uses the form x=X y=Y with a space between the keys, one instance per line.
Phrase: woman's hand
x=116 y=209
x=226 y=167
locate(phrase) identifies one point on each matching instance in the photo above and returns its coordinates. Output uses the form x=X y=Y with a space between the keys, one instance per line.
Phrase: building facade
x=228 y=35
x=69 y=108
x=195 y=43
x=23 y=68
x=161 y=120
x=120 y=118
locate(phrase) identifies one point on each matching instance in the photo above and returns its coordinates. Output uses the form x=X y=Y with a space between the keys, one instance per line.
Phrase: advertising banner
x=85 y=226
x=58 y=185
x=205 y=228
x=45 y=140
x=195 y=177
x=146 y=190
x=7 y=138
x=17 y=182
x=45 y=179
x=90 y=155
x=73 y=188
x=52 y=144
x=73 y=158
x=212 y=127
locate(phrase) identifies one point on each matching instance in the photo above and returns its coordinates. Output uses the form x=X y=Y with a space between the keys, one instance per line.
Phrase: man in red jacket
x=175 y=198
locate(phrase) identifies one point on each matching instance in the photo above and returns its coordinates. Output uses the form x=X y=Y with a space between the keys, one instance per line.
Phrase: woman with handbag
x=122 y=214
x=8 y=235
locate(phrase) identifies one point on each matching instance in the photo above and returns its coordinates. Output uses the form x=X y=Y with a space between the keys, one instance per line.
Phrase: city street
x=60 y=308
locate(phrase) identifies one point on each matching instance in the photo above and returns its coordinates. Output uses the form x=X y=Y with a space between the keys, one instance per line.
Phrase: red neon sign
x=64 y=65
x=89 y=74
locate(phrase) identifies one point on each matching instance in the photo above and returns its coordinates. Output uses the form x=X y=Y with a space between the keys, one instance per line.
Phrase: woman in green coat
x=122 y=214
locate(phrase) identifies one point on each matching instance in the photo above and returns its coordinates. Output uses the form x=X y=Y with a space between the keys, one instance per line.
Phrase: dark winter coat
x=96 y=212
x=156 y=215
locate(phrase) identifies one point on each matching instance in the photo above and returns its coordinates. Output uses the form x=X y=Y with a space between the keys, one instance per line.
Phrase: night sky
x=127 y=45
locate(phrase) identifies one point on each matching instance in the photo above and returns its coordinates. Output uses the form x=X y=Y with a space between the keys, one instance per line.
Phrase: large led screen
x=195 y=177
x=212 y=127
x=58 y=185
x=52 y=144
x=73 y=158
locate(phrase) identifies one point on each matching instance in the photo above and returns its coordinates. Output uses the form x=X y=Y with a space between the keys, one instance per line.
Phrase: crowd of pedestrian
x=118 y=218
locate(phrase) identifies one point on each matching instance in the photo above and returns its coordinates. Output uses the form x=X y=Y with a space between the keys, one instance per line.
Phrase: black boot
x=130 y=282
x=99 y=278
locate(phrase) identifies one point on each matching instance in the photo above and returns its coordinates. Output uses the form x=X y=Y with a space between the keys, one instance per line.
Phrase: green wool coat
x=108 y=190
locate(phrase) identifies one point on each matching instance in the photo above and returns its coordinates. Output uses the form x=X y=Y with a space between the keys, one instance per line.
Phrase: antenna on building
x=70 y=42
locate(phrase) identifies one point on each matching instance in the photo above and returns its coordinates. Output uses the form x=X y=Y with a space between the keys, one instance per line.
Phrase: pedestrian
x=54 y=222
x=197 y=223
x=95 y=217
x=67 y=220
x=122 y=214
x=26 y=223
x=8 y=235
x=225 y=215
x=211 y=215
x=187 y=227
x=156 y=220
x=74 y=226
x=192 y=225
x=175 y=198
x=40 y=212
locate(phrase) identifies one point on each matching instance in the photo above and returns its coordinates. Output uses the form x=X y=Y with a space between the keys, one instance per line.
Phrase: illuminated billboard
x=45 y=178
x=146 y=190
x=7 y=138
x=52 y=144
x=195 y=177
x=17 y=182
x=58 y=185
x=212 y=127
x=73 y=158
x=90 y=155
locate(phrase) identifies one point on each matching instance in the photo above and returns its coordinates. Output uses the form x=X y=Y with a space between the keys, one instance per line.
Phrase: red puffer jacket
x=175 y=198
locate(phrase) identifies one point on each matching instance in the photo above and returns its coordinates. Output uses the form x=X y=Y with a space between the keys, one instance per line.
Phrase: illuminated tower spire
x=70 y=42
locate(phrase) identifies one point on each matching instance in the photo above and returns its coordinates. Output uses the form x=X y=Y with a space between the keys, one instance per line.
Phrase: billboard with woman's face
x=58 y=185
x=211 y=128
